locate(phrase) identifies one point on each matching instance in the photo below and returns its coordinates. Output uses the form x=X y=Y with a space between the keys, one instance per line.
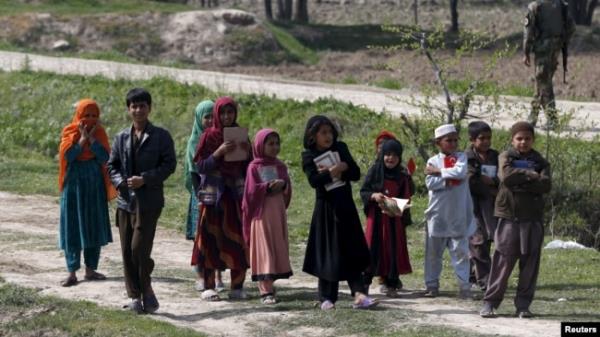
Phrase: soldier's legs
x=545 y=66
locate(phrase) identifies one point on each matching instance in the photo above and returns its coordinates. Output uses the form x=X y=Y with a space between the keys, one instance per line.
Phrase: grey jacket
x=155 y=163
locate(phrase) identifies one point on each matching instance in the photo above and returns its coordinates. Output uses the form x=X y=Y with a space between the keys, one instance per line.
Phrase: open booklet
x=395 y=206
x=327 y=160
x=268 y=173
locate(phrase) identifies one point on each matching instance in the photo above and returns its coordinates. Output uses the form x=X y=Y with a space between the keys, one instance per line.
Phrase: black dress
x=336 y=249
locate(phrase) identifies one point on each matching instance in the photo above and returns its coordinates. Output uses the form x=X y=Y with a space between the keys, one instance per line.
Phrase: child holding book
x=219 y=242
x=483 y=183
x=449 y=214
x=524 y=179
x=336 y=248
x=386 y=233
x=267 y=195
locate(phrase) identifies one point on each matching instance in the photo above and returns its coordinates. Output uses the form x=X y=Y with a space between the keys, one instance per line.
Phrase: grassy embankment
x=36 y=106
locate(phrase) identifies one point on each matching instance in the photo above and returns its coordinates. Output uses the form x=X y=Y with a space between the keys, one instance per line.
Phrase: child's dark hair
x=137 y=95
x=478 y=127
x=312 y=127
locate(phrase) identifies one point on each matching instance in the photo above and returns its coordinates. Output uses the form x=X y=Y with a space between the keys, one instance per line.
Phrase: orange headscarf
x=70 y=136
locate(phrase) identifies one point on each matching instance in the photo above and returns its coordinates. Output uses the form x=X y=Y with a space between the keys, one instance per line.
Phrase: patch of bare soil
x=173 y=282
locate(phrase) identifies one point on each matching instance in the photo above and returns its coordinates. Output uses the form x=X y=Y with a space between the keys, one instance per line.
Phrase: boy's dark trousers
x=481 y=262
x=515 y=241
x=136 y=231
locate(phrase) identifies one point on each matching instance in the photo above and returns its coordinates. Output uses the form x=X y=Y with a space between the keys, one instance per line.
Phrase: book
x=237 y=135
x=395 y=206
x=327 y=160
x=449 y=162
x=524 y=164
x=489 y=170
x=268 y=173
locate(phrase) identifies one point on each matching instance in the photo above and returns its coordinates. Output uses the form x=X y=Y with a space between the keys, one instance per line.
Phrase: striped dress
x=84 y=220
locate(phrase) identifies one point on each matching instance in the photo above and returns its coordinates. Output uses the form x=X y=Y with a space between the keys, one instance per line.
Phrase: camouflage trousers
x=546 y=63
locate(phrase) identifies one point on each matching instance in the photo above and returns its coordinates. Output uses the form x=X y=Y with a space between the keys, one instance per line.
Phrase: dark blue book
x=525 y=164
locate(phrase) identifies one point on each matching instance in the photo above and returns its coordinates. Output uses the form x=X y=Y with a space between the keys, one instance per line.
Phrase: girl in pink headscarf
x=267 y=195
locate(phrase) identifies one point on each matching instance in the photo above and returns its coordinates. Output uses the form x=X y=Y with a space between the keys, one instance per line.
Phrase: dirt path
x=31 y=221
x=586 y=115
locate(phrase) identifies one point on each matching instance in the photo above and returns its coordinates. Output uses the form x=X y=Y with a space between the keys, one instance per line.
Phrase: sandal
x=327 y=305
x=95 y=276
x=210 y=295
x=69 y=281
x=269 y=299
x=365 y=302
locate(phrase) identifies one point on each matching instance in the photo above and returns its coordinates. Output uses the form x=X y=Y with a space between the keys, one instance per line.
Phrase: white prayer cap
x=443 y=130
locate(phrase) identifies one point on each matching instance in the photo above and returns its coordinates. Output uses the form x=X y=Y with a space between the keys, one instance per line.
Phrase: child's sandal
x=210 y=295
x=269 y=299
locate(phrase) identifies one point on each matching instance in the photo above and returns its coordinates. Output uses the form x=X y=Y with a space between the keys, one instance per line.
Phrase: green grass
x=489 y=88
x=34 y=315
x=389 y=83
x=37 y=105
x=79 y=7
x=296 y=50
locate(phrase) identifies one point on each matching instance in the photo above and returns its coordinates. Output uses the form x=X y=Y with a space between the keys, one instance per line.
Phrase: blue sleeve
x=100 y=152
x=73 y=152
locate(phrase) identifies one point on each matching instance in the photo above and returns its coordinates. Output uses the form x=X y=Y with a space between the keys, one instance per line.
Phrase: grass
x=37 y=105
x=296 y=50
x=31 y=314
x=80 y=7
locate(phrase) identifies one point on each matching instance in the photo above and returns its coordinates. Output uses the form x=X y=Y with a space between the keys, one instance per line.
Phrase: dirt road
x=28 y=237
x=586 y=115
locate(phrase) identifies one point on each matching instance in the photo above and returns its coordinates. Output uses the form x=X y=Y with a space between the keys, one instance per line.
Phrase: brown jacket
x=520 y=194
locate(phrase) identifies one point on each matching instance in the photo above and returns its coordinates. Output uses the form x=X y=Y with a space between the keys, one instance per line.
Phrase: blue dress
x=84 y=221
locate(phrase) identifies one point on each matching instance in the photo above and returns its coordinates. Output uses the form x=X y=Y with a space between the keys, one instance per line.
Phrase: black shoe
x=151 y=304
x=487 y=311
x=524 y=313
x=431 y=292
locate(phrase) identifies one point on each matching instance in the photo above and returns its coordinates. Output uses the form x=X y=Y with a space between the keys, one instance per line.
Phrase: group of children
x=237 y=210
x=462 y=215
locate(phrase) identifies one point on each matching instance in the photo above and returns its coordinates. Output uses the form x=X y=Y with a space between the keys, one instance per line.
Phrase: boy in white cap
x=449 y=216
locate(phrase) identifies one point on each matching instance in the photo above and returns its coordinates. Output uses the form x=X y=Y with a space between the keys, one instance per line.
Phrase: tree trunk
x=582 y=11
x=301 y=11
x=268 y=10
x=289 y=4
x=416 y=11
x=280 y=10
x=454 y=15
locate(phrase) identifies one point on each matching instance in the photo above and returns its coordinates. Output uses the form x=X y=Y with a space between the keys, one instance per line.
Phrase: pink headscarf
x=255 y=189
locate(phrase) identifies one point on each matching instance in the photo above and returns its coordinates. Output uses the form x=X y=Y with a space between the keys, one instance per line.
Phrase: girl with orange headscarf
x=85 y=189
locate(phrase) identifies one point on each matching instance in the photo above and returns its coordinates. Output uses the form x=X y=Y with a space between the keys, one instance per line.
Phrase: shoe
x=238 y=294
x=327 y=305
x=465 y=294
x=365 y=302
x=151 y=304
x=69 y=282
x=383 y=289
x=431 y=293
x=487 y=311
x=210 y=295
x=135 y=305
x=95 y=276
x=391 y=292
x=199 y=285
x=524 y=313
x=220 y=286
x=269 y=299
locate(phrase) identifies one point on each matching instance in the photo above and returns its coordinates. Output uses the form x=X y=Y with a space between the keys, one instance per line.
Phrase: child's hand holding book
x=276 y=185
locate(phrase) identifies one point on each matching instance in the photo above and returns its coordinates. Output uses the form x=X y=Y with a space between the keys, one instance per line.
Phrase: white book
x=268 y=173
x=395 y=206
x=327 y=160
x=237 y=135
x=489 y=170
